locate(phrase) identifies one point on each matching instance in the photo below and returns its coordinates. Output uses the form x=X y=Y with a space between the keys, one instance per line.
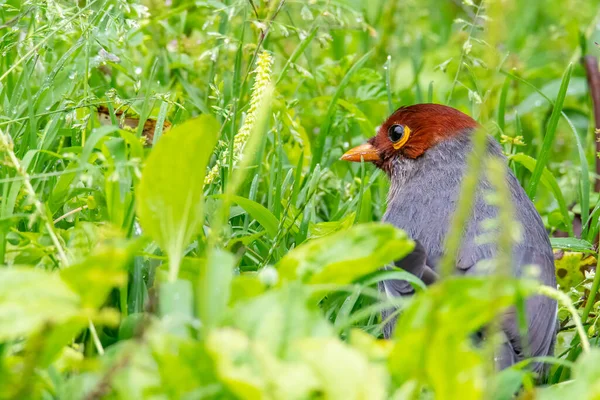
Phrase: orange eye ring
x=401 y=141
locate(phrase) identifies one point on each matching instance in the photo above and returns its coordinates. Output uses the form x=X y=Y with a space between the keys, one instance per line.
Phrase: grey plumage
x=422 y=198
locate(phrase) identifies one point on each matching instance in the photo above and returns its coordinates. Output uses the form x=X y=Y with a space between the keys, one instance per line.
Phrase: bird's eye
x=396 y=132
x=398 y=135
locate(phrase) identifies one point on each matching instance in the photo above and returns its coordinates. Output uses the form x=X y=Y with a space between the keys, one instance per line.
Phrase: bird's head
x=409 y=132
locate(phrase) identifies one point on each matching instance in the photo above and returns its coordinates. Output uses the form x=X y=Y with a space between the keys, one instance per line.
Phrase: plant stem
x=464 y=52
x=466 y=199
x=6 y=145
x=593 y=291
x=592 y=73
x=565 y=301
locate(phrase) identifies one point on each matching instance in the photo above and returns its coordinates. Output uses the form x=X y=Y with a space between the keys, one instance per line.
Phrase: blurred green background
x=123 y=276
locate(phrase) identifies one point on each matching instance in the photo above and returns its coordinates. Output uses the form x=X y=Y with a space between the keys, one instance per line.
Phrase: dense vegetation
x=175 y=222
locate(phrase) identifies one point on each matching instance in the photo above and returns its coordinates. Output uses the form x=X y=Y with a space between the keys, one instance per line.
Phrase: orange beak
x=365 y=151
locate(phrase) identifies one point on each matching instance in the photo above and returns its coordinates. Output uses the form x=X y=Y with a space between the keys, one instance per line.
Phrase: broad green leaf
x=571 y=267
x=442 y=357
x=323 y=365
x=250 y=371
x=137 y=381
x=345 y=256
x=279 y=317
x=169 y=195
x=376 y=349
x=95 y=277
x=30 y=298
x=322 y=229
x=245 y=287
x=344 y=373
x=214 y=286
x=56 y=338
x=185 y=368
x=176 y=306
x=507 y=383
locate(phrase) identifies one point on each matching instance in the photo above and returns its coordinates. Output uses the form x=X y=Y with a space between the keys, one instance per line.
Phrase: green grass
x=125 y=276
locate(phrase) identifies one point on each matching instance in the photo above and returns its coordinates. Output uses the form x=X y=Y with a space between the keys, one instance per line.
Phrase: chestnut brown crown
x=410 y=131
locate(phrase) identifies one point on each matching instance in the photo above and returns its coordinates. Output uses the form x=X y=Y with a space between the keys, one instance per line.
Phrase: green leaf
x=130 y=324
x=584 y=181
x=442 y=357
x=283 y=348
x=245 y=287
x=586 y=374
x=169 y=195
x=258 y=212
x=297 y=53
x=322 y=229
x=251 y=372
x=92 y=141
x=214 y=287
x=550 y=182
x=31 y=298
x=94 y=278
x=571 y=267
x=56 y=339
x=507 y=383
x=577 y=87
x=280 y=316
x=396 y=273
x=319 y=150
x=572 y=244
x=176 y=306
x=186 y=370
x=364 y=122
x=345 y=256
x=343 y=371
x=544 y=153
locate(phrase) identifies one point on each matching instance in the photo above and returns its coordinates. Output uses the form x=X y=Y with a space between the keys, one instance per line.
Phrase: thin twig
x=263 y=35
x=74 y=211
x=95 y=338
x=254 y=8
x=463 y=53
x=590 y=63
x=591 y=299
x=565 y=301
x=16 y=19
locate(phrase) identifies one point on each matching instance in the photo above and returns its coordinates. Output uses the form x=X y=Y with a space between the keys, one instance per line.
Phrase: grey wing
x=414 y=263
x=541 y=311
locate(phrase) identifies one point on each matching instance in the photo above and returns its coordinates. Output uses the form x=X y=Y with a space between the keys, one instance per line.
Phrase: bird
x=423 y=148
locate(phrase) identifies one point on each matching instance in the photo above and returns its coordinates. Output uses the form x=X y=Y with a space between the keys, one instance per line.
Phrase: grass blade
x=326 y=125
x=550 y=182
x=544 y=154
